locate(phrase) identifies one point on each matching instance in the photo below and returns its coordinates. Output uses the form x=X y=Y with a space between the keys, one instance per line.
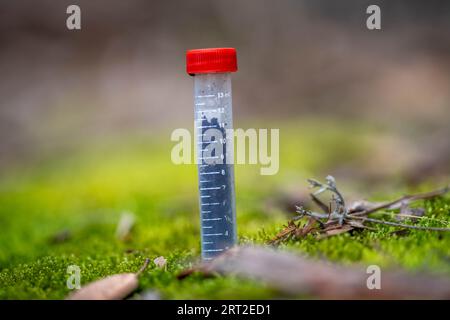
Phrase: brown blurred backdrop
x=124 y=71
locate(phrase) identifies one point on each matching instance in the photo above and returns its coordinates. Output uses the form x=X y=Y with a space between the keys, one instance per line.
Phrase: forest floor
x=65 y=210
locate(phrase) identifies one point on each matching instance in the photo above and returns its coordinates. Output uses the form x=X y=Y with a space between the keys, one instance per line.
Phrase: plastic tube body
x=214 y=140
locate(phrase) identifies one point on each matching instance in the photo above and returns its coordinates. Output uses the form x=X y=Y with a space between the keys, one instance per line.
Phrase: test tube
x=211 y=70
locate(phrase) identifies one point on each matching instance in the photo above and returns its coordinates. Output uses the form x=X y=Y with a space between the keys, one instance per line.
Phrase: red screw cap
x=212 y=60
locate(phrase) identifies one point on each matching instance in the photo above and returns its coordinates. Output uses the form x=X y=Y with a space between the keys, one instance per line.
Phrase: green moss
x=86 y=191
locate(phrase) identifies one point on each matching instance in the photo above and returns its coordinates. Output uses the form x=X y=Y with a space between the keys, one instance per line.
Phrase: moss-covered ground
x=84 y=192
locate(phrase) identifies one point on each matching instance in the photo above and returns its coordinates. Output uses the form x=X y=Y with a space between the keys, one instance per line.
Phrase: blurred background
x=125 y=70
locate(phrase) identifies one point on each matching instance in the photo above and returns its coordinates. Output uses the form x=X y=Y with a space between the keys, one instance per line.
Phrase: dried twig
x=338 y=218
x=144 y=266
x=405 y=199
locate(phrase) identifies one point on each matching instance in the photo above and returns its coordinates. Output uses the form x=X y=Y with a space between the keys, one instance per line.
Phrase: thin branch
x=339 y=217
x=408 y=198
x=402 y=225
x=404 y=215
x=144 y=266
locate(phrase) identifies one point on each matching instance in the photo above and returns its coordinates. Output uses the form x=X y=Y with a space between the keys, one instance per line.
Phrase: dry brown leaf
x=298 y=275
x=115 y=287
